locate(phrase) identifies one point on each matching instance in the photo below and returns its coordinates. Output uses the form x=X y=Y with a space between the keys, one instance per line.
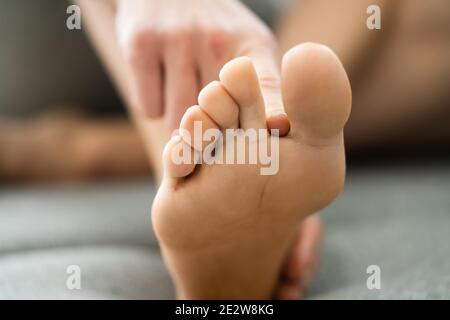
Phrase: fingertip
x=146 y=86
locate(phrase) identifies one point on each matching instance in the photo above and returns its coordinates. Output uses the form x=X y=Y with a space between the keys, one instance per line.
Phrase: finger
x=146 y=83
x=265 y=61
x=181 y=85
x=213 y=51
x=209 y=66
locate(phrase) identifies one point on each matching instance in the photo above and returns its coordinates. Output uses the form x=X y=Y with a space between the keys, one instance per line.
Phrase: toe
x=240 y=80
x=216 y=102
x=279 y=121
x=179 y=159
x=316 y=93
x=194 y=124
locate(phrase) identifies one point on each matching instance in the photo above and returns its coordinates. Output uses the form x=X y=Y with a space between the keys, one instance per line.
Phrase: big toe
x=316 y=93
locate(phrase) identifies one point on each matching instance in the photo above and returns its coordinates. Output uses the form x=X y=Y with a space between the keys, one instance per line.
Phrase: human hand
x=173 y=48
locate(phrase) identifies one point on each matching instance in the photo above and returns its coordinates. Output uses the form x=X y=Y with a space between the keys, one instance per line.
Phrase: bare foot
x=225 y=229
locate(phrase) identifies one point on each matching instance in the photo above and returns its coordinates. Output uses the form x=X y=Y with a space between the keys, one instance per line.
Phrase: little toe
x=179 y=159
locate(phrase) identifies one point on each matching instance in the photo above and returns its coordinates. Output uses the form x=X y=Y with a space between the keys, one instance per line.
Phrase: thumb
x=265 y=62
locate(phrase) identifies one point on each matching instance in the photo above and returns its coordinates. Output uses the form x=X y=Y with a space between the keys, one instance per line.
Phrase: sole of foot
x=224 y=229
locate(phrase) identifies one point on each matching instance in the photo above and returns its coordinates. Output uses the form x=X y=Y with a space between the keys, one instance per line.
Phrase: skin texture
x=70 y=147
x=176 y=47
x=100 y=20
x=399 y=56
x=222 y=238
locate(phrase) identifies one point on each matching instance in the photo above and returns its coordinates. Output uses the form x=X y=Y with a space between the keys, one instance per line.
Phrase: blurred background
x=76 y=186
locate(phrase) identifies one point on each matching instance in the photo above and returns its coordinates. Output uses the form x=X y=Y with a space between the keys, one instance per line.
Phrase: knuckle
x=219 y=40
x=178 y=36
x=179 y=44
x=215 y=37
x=138 y=43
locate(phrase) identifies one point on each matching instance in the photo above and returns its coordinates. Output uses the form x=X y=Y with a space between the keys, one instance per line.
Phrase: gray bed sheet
x=397 y=218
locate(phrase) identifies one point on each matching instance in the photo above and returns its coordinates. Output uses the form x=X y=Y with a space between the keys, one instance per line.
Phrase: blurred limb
x=75 y=147
x=340 y=25
x=403 y=99
x=99 y=19
x=400 y=74
x=69 y=147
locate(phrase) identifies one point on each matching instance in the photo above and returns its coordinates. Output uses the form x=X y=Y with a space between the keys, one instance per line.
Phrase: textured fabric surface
x=398 y=219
